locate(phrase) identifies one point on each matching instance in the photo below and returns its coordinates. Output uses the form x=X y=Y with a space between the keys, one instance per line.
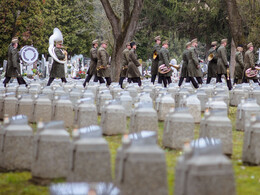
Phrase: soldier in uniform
x=165 y=59
x=93 y=63
x=185 y=61
x=124 y=67
x=239 y=67
x=13 y=66
x=133 y=71
x=57 y=69
x=212 y=67
x=250 y=62
x=103 y=67
x=155 y=58
x=194 y=65
x=222 y=64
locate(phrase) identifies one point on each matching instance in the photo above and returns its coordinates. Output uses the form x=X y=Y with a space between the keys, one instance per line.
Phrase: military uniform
x=212 y=66
x=164 y=59
x=250 y=63
x=92 y=66
x=133 y=71
x=103 y=60
x=239 y=68
x=57 y=69
x=184 y=68
x=222 y=64
x=124 y=67
x=154 y=69
x=13 y=66
x=194 y=67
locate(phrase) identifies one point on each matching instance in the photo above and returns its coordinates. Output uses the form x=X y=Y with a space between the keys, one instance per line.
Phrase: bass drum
x=29 y=54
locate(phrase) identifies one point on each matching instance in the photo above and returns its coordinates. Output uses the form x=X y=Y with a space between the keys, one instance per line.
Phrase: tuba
x=56 y=36
x=163 y=69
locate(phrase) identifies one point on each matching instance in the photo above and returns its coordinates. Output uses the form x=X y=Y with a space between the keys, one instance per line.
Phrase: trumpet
x=155 y=55
x=101 y=67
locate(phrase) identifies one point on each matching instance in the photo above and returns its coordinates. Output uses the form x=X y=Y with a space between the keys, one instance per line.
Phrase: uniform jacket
x=125 y=61
x=57 y=69
x=193 y=64
x=164 y=59
x=13 y=66
x=93 y=62
x=154 y=69
x=212 y=67
x=222 y=60
x=239 y=67
x=133 y=65
x=103 y=59
x=185 y=61
x=249 y=61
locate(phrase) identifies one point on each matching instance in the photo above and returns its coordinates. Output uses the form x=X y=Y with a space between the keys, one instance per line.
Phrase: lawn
x=247 y=177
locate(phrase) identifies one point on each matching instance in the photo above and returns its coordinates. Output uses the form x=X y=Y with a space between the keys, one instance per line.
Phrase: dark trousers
x=121 y=80
x=181 y=81
x=194 y=83
x=137 y=80
x=88 y=79
x=129 y=80
x=165 y=80
x=199 y=80
x=229 y=85
x=52 y=79
x=101 y=80
x=154 y=77
x=20 y=80
x=208 y=80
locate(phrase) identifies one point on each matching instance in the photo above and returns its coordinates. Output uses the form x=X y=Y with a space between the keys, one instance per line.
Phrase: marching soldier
x=155 y=58
x=250 y=62
x=212 y=67
x=185 y=61
x=165 y=59
x=222 y=64
x=93 y=63
x=103 y=67
x=124 y=68
x=133 y=71
x=13 y=66
x=239 y=67
x=57 y=69
x=194 y=65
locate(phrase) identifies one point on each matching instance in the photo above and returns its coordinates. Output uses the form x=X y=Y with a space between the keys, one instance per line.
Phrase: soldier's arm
x=103 y=58
x=215 y=55
x=165 y=58
x=133 y=59
x=195 y=58
x=60 y=55
x=224 y=56
x=94 y=54
x=15 y=58
x=240 y=60
x=252 y=60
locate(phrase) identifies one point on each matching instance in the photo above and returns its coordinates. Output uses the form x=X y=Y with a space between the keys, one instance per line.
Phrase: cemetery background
x=247 y=177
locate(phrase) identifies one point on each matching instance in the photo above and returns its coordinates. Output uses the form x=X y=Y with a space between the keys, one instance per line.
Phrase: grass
x=247 y=177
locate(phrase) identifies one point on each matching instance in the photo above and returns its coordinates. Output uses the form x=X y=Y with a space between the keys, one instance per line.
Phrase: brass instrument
x=228 y=75
x=101 y=67
x=210 y=57
x=125 y=67
x=163 y=69
x=252 y=73
x=155 y=55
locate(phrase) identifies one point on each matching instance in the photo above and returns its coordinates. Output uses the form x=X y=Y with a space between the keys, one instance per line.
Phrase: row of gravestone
x=140 y=162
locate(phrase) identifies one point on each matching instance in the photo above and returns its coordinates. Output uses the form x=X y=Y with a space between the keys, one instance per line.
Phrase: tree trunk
x=235 y=23
x=122 y=33
x=232 y=58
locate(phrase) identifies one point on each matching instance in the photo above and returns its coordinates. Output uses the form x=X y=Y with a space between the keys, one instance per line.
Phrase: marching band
x=218 y=65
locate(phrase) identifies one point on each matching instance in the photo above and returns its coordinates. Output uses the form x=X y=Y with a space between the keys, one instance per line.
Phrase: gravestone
x=10 y=104
x=126 y=101
x=26 y=106
x=194 y=106
x=142 y=166
x=16 y=144
x=64 y=111
x=204 y=170
x=178 y=128
x=43 y=108
x=102 y=98
x=90 y=157
x=51 y=152
x=165 y=105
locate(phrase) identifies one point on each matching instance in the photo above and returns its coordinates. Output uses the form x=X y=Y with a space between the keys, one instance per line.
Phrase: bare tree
x=123 y=29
